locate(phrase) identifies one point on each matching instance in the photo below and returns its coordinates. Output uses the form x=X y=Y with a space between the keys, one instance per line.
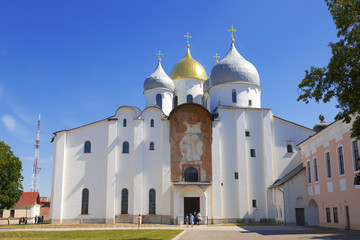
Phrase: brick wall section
x=190 y=137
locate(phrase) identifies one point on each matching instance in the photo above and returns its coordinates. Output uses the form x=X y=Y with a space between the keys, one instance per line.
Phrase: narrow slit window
x=124 y=201
x=252 y=152
x=233 y=95
x=152 y=201
x=189 y=98
x=152 y=123
x=159 y=100
x=124 y=122
x=87 y=147
x=151 y=146
x=125 y=147
x=85 y=201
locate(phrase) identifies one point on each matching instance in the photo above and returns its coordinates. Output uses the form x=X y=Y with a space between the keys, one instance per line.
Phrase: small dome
x=188 y=68
x=234 y=68
x=159 y=79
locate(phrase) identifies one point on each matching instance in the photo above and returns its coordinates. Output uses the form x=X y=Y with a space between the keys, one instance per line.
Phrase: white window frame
x=315 y=169
x=308 y=172
x=352 y=153
x=326 y=165
x=343 y=160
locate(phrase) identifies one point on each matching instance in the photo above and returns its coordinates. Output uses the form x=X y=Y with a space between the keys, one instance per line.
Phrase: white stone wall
x=244 y=92
x=185 y=86
x=167 y=99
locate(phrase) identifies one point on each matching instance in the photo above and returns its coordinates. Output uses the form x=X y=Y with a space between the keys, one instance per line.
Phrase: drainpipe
x=284 y=205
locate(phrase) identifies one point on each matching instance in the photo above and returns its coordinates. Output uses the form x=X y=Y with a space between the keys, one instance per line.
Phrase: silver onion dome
x=234 y=68
x=159 y=79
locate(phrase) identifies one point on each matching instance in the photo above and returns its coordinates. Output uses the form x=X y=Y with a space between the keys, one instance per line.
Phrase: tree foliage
x=10 y=177
x=341 y=78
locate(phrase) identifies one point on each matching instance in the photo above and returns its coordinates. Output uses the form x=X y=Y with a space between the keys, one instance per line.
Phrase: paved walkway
x=266 y=232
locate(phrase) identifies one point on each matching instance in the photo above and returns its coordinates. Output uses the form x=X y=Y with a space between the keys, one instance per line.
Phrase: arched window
x=289 y=148
x=152 y=201
x=159 y=100
x=124 y=122
x=125 y=148
x=189 y=98
x=234 y=96
x=151 y=147
x=152 y=123
x=175 y=101
x=191 y=175
x=85 y=201
x=124 y=201
x=87 y=147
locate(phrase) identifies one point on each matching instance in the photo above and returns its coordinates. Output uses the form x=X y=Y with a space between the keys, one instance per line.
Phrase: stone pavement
x=266 y=232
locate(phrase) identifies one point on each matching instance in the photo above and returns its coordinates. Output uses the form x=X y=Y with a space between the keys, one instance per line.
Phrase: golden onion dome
x=188 y=68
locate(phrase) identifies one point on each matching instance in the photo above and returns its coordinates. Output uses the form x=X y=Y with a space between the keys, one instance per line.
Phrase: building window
x=151 y=146
x=355 y=148
x=234 y=96
x=87 y=147
x=308 y=168
x=175 y=101
x=328 y=164
x=125 y=148
x=191 y=175
x=189 y=98
x=124 y=201
x=252 y=153
x=124 y=122
x=336 y=219
x=281 y=213
x=159 y=100
x=152 y=123
x=254 y=203
x=316 y=174
x=85 y=201
x=341 y=161
x=12 y=213
x=250 y=103
x=289 y=148
x=328 y=216
x=236 y=175
x=152 y=201
x=247 y=133
x=276 y=213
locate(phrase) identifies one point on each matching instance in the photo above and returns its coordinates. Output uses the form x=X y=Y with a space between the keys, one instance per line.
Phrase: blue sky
x=76 y=62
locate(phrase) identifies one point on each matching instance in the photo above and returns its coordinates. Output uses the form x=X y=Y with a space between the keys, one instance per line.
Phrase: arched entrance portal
x=194 y=199
x=312 y=215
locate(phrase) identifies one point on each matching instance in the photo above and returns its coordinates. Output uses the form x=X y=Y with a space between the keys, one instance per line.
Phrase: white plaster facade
x=248 y=151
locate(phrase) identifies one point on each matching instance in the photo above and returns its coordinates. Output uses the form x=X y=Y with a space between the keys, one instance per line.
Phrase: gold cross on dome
x=232 y=30
x=216 y=57
x=187 y=37
x=159 y=54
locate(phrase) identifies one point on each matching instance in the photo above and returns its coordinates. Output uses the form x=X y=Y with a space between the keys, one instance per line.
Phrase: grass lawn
x=93 y=234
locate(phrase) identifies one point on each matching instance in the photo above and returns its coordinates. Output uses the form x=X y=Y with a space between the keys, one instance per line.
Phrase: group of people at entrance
x=193 y=219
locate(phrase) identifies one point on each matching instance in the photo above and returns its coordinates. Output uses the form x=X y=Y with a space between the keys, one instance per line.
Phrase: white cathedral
x=202 y=144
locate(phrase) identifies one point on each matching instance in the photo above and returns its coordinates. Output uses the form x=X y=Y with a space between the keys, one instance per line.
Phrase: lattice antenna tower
x=36 y=169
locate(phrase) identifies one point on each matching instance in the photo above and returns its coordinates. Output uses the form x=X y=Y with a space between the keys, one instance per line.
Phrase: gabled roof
x=29 y=198
x=288 y=176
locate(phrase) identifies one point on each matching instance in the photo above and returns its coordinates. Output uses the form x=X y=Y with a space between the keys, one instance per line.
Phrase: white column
x=216 y=196
x=138 y=169
x=110 y=172
x=58 y=185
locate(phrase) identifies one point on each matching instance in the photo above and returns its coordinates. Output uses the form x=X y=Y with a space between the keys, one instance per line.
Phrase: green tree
x=341 y=78
x=10 y=177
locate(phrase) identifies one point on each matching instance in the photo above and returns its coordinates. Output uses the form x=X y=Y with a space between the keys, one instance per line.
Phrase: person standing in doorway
x=139 y=220
x=187 y=220
x=191 y=220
